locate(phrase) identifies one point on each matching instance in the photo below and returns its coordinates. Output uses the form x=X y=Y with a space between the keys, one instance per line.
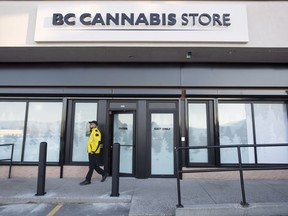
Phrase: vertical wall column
x=142 y=170
x=102 y=121
x=182 y=126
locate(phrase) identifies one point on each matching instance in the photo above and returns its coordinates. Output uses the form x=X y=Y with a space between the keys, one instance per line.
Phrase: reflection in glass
x=84 y=112
x=235 y=123
x=44 y=125
x=12 y=117
x=198 y=132
x=162 y=143
x=123 y=134
x=271 y=123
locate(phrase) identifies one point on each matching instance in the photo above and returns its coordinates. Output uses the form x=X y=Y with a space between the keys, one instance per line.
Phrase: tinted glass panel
x=235 y=123
x=198 y=132
x=271 y=124
x=84 y=112
x=123 y=134
x=162 y=144
x=12 y=117
x=44 y=125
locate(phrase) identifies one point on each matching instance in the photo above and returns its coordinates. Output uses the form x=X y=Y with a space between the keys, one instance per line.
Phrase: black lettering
x=141 y=19
x=164 y=19
x=184 y=19
x=57 y=19
x=125 y=18
x=98 y=19
x=193 y=15
x=204 y=19
x=67 y=18
x=226 y=19
x=171 y=19
x=166 y=128
x=154 y=19
x=114 y=19
x=216 y=19
x=84 y=19
x=123 y=128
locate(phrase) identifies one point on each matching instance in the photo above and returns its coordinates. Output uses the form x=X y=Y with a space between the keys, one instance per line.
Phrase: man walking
x=93 y=148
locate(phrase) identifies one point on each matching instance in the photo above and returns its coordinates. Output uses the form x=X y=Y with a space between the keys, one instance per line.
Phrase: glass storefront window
x=44 y=125
x=235 y=122
x=84 y=112
x=162 y=144
x=12 y=120
x=271 y=123
x=198 y=135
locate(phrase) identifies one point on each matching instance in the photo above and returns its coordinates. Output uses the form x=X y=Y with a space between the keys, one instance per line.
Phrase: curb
x=254 y=209
x=54 y=200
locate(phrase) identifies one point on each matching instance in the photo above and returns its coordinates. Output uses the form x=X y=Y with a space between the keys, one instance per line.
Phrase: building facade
x=155 y=75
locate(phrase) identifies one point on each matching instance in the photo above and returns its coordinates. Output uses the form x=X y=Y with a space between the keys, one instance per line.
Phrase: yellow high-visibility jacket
x=93 y=145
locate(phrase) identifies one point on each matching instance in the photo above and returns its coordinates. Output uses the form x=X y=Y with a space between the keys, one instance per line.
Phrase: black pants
x=93 y=164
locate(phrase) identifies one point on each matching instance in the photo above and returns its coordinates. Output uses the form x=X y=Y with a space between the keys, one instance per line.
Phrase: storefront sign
x=141 y=22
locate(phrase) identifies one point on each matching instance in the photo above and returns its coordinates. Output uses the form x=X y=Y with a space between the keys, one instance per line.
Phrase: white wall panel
x=267 y=23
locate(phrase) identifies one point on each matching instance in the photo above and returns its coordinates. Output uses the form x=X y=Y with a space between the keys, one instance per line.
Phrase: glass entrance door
x=162 y=143
x=123 y=133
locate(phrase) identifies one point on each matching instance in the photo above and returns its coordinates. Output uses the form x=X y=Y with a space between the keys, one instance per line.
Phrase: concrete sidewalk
x=157 y=196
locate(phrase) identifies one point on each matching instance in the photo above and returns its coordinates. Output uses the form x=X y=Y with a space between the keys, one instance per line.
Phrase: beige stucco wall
x=51 y=172
x=81 y=171
x=267 y=23
x=234 y=175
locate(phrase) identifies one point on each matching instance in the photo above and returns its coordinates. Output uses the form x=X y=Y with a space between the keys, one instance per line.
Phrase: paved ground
x=145 y=197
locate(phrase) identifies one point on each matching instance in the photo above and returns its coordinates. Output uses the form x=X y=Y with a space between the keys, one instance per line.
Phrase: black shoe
x=85 y=182
x=104 y=177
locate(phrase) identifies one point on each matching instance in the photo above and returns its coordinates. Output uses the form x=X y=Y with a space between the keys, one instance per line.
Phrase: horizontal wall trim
x=142 y=78
x=144 y=54
x=133 y=92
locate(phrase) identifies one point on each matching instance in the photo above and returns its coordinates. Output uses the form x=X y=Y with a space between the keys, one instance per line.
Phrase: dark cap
x=93 y=122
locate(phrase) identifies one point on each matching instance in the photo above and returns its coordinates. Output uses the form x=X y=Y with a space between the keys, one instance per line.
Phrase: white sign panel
x=115 y=21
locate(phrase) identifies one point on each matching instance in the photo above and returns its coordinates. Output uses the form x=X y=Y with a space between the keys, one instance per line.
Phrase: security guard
x=93 y=147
